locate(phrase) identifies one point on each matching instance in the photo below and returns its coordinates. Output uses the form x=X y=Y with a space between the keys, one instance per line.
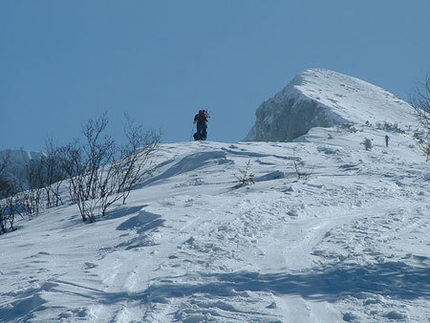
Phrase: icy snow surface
x=348 y=241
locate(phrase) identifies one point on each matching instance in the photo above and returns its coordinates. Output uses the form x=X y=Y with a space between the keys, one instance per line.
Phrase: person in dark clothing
x=386 y=140
x=201 y=120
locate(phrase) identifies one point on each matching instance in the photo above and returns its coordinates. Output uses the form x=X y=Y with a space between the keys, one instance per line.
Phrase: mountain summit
x=324 y=98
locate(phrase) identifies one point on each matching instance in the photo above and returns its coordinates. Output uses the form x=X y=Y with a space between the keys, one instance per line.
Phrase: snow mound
x=323 y=98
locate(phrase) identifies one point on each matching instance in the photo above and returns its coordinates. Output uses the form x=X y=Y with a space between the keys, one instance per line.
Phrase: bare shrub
x=367 y=143
x=298 y=164
x=100 y=172
x=245 y=177
x=421 y=102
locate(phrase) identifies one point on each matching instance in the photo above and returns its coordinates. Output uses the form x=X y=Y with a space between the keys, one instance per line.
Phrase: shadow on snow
x=143 y=223
x=391 y=279
x=191 y=163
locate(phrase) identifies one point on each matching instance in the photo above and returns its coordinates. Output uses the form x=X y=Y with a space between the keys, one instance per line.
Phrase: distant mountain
x=17 y=162
x=324 y=98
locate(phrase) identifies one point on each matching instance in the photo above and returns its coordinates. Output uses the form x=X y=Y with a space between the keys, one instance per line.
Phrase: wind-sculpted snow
x=349 y=242
x=188 y=164
x=390 y=279
x=323 y=98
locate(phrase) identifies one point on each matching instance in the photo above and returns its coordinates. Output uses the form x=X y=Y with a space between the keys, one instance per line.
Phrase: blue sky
x=65 y=62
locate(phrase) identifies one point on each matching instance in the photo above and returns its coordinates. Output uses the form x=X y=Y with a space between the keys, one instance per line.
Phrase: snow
x=324 y=98
x=346 y=242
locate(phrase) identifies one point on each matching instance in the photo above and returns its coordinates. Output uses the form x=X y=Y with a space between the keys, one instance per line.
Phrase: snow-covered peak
x=324 y=98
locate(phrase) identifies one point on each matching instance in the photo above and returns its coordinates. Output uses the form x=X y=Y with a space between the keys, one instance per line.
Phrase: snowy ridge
x=323 y=98
x=349 y=243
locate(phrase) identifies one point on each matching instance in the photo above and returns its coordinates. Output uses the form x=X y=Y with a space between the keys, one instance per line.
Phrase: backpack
x=202 y=117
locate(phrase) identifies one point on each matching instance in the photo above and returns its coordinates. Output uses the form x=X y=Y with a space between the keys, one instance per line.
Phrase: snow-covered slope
x=323 y=98
x=347 y=242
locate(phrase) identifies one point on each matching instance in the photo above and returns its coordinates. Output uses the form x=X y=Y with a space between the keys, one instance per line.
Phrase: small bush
x=389 y=127
x=346 y=127
x=367 y=143
x=245 y=177
x=301 y=174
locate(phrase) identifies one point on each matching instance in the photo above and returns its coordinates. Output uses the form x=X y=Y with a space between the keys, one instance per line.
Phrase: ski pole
x=192 y=130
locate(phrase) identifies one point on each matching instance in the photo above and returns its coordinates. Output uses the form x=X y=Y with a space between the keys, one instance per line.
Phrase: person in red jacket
x=201 y=120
